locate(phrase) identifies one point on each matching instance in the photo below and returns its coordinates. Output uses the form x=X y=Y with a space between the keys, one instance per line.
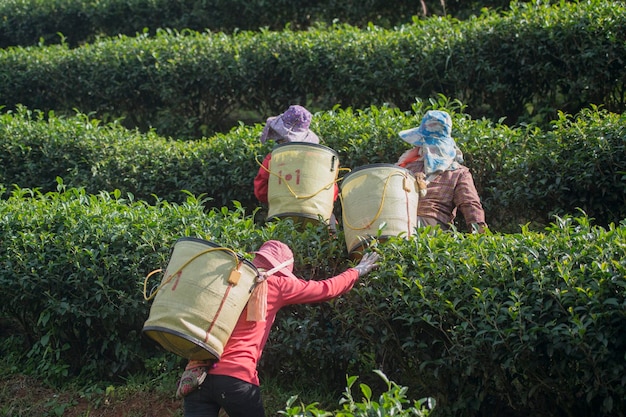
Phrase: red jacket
x=245 y=345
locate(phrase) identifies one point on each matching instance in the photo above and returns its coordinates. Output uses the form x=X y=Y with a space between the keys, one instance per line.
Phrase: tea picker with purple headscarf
x=436 y=158
x=290 y=126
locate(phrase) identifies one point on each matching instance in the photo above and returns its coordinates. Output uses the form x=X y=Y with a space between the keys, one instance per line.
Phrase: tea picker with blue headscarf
x=450 y=186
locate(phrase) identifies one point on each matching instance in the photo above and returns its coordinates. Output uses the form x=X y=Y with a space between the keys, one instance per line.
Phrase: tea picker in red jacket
x=292 y=126
x=232 y=383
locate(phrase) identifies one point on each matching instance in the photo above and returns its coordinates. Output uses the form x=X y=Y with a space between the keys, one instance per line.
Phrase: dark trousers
x=238 y=398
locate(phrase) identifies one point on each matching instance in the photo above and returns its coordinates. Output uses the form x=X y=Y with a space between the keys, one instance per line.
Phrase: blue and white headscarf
x=433 y=136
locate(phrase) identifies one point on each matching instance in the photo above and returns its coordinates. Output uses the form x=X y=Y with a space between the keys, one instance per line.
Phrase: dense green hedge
x=529 y=322
x=522 y=324
x=576 y=164
x=38 y=148
x=523 y=175
x=29 y=22
x=522 y=65
x=78 y=262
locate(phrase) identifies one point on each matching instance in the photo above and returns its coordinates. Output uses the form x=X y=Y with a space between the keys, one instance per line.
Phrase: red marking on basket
x=178 y=275
x=217 y=313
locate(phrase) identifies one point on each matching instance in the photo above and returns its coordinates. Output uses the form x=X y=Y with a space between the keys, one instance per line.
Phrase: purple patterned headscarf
x=291 y=126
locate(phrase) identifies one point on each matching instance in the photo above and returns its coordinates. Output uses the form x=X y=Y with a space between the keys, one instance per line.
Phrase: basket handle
x=145 y=285
x=233 y=279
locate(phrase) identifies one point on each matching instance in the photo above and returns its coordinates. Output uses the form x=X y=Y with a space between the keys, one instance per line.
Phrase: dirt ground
x=22 y=396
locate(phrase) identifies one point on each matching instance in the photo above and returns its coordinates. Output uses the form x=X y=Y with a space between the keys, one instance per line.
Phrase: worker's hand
x=479 y=228
x=194 y=375
x=368 y=262
x=191 y=380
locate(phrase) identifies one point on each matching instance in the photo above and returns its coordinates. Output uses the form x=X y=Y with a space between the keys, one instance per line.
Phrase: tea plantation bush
x=532 y=322
x=523 y=175
x=29 y=22
x=75 y=22
x=524 y=65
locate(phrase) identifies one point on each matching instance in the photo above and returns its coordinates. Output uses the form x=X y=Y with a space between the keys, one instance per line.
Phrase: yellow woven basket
x=204 y=289
x=302 y=178
x=378 y=196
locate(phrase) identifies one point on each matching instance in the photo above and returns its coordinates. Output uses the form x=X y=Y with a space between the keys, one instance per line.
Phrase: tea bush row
x=522 y=65
x=523 y=175
x=30 y=22
x=522 y=324
x=530 y=322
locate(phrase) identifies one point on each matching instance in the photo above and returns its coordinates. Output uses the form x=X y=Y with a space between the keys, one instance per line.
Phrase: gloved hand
x=479 y=228
x=367 y=263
